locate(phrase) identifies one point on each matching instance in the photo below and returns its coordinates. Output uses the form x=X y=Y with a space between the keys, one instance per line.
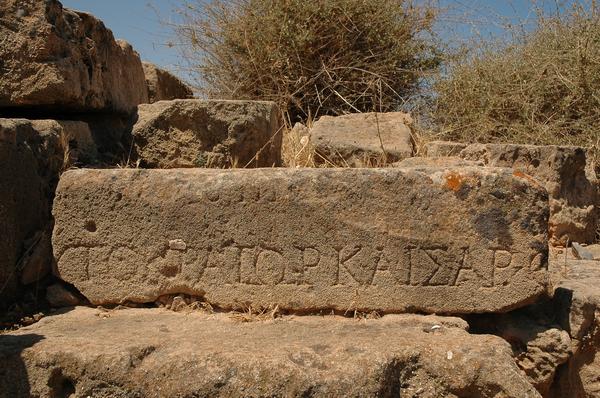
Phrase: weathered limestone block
x=23 y=211
x=45 y=148
x=577 y=301
x=158 y=353
x=540 y=345
x=446 y=241
x=561 y=170
x=441 y=162
x=213 y=133
x=63 y=60
x=163 y=85
x=56 y=144
x=362 y=139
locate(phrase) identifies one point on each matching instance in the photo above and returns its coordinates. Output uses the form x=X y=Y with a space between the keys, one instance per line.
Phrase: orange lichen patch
x=527 y=177
x=454 y=181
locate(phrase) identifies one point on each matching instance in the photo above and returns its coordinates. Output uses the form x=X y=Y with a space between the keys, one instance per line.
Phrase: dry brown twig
x=312 y=58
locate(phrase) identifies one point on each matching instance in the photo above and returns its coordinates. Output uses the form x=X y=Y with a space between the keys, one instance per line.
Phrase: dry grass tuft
x=256 y=314
x=542 y=88
x=296 y=148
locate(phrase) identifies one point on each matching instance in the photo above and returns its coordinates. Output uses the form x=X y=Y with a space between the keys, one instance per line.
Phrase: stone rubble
x=164 y=86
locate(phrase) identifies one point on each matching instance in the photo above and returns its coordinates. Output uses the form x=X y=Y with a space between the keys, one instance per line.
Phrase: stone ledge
x=159 y=353
x=465 y=240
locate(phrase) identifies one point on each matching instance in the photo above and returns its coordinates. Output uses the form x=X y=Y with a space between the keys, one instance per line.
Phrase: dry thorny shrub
x=312 y=57
x=541 y=88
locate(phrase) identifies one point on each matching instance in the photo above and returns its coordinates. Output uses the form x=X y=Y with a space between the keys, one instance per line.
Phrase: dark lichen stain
x=493 y=226
x=499 y=194
x=463 y=192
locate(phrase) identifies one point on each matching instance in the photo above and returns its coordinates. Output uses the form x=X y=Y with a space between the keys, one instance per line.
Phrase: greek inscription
x=350 y=265
x=303 y=260
x=436 y=266
x=223 y=265
x=248 y=266
x=502 y=259
x=270 y=267
x=393 y=267
x=356 y=265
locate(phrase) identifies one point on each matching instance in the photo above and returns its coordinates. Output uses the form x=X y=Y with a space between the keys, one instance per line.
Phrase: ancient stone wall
x=286 y=277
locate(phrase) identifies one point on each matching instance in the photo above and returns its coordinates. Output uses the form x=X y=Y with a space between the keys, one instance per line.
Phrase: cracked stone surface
x=158 y=353
x=305 y=239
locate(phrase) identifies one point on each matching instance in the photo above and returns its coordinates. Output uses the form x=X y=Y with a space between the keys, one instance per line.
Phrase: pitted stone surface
x=448 y=241
x=362 y=139
x=163 y=85
x=208 y=133
x=156 y=353
x=572 y=188
x=57 y=59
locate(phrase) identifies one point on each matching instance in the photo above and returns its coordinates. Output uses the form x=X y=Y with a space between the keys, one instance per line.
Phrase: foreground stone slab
x=577 y=300
x=56 y=144
x=572 y=189
x=62 y=60
x=158 y=353
x=163 y=85
x=459 y=241
x=362 y=139
x=201 y=133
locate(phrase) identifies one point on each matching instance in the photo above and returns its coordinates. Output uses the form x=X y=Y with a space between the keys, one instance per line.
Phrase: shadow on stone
x=14 y=379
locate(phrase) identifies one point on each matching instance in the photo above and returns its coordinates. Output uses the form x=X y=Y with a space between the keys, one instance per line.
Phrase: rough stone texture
x=362 y=139
x=36 y=260
x=59 y=296
x=444 y=148
x=45 y=148
x=562 y=170
x=163 y=85
x=159 y=353
x=55 y=144
x=540 y=345
x=201 y=133
x=577 y=300
x=23 y=211
x=445 y=162
x=63 y=60
x=306 y=239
